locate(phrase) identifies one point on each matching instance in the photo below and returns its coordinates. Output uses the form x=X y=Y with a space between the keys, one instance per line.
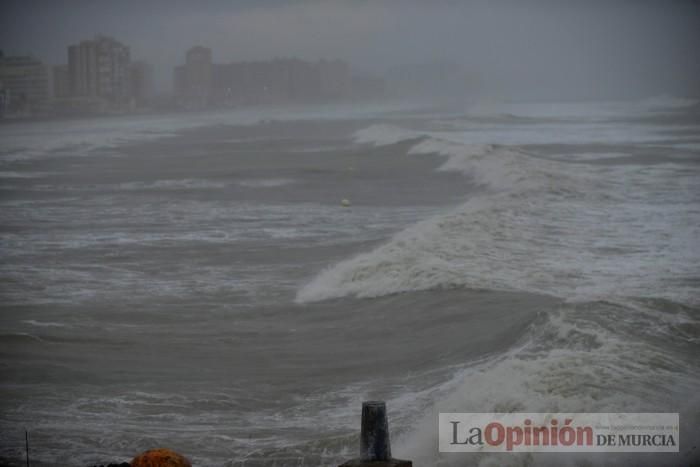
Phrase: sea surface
x=195 y=281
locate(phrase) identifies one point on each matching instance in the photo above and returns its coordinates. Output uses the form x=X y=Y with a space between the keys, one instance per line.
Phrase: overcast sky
x=587 y=48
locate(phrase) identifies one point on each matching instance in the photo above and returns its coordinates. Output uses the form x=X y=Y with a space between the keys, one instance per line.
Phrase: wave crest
x=541 y=226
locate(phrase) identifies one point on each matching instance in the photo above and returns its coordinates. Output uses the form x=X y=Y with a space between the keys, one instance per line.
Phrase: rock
x=160 y=458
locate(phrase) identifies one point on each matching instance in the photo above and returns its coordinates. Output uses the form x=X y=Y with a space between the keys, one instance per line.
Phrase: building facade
x=199 y=82
x=280 y=80
x=193 y=80
x=100 y=68
x=24 y=85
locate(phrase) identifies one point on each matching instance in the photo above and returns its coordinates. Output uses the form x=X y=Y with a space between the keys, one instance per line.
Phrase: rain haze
x=533 y=49
x=231 y=228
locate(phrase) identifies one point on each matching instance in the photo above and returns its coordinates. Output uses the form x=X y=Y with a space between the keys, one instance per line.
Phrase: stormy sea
x=233 y=285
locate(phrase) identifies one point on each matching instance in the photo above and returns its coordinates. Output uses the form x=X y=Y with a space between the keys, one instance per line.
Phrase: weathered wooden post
x=375 y=446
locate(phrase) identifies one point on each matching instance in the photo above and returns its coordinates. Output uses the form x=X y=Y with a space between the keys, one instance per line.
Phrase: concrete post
x=375 y=446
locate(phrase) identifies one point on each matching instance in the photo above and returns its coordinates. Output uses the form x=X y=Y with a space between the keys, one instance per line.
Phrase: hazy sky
x=587 y=48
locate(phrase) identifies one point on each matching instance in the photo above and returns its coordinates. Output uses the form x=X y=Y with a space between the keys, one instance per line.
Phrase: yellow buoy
x=345 y=203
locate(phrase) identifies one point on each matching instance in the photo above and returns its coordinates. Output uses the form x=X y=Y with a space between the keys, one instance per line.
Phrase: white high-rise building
x=100 y=68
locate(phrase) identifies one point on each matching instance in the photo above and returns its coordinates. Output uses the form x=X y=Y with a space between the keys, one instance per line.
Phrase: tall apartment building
x=100 y=68
x=193 y=79
x=24 y=85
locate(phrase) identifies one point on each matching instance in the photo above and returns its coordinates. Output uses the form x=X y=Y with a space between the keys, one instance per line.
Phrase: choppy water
x=203 y=289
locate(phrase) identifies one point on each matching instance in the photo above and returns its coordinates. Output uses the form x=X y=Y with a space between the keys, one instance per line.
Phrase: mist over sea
x=193 y=281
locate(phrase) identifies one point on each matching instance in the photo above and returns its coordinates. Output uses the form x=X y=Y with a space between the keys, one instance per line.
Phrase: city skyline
x=61 y=66
x=99 y=77
x=541 y=49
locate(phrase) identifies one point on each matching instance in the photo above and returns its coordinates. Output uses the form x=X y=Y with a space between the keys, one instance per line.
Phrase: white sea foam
x=14 y=174
x=594 y=156
x=39 y=140
x=493 y=166
x=266 y=182
x=382 y=134
x=554 y=245
x=185 y=183
x=45 y=324
x=579 y=232
x=573 y=362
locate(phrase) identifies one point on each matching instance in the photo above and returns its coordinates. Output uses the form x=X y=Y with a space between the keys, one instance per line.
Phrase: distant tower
x=193 y=80
x=99 y=68
x=24 y=85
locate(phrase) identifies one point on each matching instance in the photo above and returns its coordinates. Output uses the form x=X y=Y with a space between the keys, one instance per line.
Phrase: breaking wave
x=572 y=231
x=614 y=242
